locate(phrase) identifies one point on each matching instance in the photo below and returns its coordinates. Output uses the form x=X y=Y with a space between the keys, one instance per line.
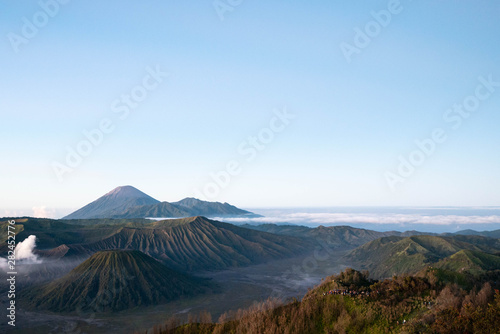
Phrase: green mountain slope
x=195 y=243
x=473 y=262
x=390 y=256
x=112 y=281
x=52 y=233
x=198 y=243
x=290 y=230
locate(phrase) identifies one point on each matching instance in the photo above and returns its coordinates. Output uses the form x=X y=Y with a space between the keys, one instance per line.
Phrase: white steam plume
x=24 y=250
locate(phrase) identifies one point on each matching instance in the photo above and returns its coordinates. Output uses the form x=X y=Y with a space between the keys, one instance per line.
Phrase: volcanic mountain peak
x=118 y=200
x=198 y=243
x=127 y=192
x=115 y=280
x=128 y=202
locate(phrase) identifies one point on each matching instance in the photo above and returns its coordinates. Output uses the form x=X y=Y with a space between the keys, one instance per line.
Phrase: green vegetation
x=198 y=243
x=113 y=281
x=345 y=237
x=390 y=256
x=404 y=304
x=134 y=222
x=473 y=262
x=451 y=291
x=52 y=233
x=4 y=230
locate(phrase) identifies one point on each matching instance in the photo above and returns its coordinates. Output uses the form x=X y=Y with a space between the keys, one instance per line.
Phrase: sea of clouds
x=429 y=220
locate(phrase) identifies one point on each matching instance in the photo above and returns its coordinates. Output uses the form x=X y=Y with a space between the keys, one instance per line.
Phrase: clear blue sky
x=352 y=119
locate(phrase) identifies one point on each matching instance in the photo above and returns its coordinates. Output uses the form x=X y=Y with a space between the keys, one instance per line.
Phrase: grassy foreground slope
x=406 y=304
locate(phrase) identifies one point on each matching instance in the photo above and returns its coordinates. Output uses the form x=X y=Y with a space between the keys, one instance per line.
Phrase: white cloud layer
x=43 y=212
x=37 y=211
x=368 y=218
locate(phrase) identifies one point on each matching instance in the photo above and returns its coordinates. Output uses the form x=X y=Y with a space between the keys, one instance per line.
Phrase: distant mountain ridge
x=335 y=236
x=128 y=202
x=489 y=234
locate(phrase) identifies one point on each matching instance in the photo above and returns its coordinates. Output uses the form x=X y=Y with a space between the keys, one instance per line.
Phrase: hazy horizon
x=423 y=219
